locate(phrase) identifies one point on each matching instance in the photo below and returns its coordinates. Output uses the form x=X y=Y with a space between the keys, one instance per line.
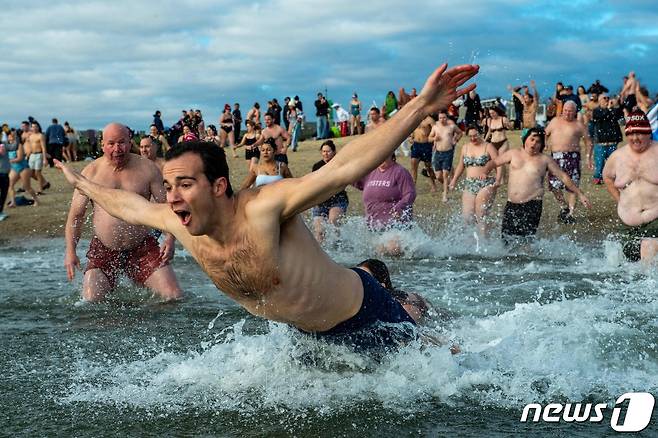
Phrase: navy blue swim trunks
x=381 y=322
x=422 y=151
x=442 y=160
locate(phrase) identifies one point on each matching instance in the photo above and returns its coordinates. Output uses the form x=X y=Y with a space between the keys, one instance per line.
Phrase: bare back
x=636 y=178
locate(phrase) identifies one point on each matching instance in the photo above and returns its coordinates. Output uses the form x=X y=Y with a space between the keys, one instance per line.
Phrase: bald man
x=118 y=247
x=564 y=134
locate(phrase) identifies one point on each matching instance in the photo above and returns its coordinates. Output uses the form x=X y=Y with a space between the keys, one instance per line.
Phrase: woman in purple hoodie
x=388 y=196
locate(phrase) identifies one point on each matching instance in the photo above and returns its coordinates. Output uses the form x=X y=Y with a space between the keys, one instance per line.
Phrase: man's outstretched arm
x=127 y=206
x=360 y=156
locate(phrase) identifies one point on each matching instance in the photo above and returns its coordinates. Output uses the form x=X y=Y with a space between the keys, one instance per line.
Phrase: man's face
x=25 y=127
x=189 y=193
x=569 y=112
x=527 y=99
x=639 y=142
x=154 y=131
x=532 y=144
x=443 y=119
x=594 y=97
x=268 y=121
x=374 y=116
x=146 y=148
x=116 y=145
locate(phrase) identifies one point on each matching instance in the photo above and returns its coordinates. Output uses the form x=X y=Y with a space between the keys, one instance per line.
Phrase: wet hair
x=375 y=109
x=269 y=114
x=212 y=157
x=329 y=143
x=379 y=271
x=213 y=128
x=257 y=105
x=536 y=130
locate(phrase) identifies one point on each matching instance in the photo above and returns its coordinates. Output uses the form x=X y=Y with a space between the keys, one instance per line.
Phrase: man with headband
x=631 y=177
x=527 y=168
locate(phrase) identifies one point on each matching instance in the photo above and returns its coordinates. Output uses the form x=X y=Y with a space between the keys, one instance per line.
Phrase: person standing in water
x=631 y=178
x=527 y=168
x=255 y=246
x=118 y=246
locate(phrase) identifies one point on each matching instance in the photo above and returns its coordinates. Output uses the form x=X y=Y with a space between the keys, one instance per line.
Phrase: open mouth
x=184 y=216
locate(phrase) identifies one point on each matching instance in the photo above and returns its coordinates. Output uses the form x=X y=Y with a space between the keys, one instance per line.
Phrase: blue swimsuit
x=377 y=324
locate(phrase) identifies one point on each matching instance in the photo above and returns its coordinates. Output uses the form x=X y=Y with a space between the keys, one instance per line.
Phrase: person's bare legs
x=483 y=202
x=648 y=251
x=231 y=142
x=66 y=154
x=164 y=284
x=468 y=207
x=335 y=215
x=222 y=138
x=414 y=169
x=318 y=228
x=95 y=286
x=26 y=175
x=38 y=176
x=432 y=175
x=11 y=193
x=571 y=201
x=446 y=178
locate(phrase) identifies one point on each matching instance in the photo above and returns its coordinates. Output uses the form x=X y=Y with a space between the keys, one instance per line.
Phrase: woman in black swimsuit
x=251 y=152
x=226 y=132
x=497 y=124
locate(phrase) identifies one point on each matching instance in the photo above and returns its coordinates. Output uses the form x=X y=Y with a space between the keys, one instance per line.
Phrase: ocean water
x=557 y=322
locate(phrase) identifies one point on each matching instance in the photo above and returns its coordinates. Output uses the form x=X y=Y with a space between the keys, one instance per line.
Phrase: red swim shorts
x=137 y=263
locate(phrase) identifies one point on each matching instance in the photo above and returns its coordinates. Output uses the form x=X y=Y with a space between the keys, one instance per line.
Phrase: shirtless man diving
x=118 y=246
x=631 y=177
x=255 y=246
x=444 y=134
x=564 y=134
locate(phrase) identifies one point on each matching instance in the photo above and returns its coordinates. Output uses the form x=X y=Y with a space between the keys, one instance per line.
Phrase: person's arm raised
x=363 y=154
x=127 y=206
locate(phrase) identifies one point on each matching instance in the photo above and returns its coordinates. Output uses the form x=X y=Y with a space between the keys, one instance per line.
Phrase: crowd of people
x=253 y=244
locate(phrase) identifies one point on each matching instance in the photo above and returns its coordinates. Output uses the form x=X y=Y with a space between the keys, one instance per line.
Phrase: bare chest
x=245 y=272
x=131 y=181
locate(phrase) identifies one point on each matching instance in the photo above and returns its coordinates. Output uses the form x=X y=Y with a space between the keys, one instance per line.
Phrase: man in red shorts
x=119 y=247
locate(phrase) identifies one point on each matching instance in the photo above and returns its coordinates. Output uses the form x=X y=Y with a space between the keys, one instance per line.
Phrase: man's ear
x=219 y=186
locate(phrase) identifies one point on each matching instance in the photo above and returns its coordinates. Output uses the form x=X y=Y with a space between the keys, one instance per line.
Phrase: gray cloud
x=95 y=61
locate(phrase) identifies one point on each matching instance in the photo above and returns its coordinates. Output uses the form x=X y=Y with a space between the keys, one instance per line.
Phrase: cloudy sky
x=91 y=62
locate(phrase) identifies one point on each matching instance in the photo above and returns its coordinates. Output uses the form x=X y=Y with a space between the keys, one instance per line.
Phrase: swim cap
x=527 y=132
x=637 y=123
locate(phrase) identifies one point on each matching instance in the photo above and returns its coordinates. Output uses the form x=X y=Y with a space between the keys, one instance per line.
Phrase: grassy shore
x=49 y=218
